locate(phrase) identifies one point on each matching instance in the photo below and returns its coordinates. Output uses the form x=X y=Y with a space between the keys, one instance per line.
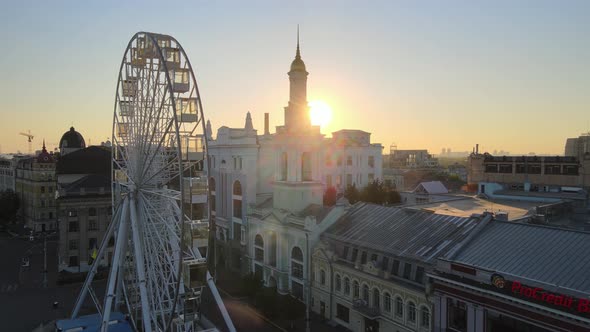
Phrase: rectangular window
x=92 y=225
x=407 y=270
x=552 y=169
x=385 y=263
x=73 y=261
x=349 y=161
x=457 y=315
x=395 y=267
x=349 y=179
x=258 y=254
x=73 y=244
x=570 y=169
x=345 y=253
x=339 y=162
x=374 y=258
x=238 y=208
x=355 y=253
x=342 y=313
x=505 y=168
x=419 y=274
x=491 y=168
x=297 y=290
x=297 y=270
x=42 y=189
x=73 y=226
x=534 y=169
x=520 y=169
x=370 y=178
x=371 y=161
x=364 y=257
x=237 y=231
x=72 y=213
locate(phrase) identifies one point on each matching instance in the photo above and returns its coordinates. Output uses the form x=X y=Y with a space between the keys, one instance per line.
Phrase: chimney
x=476 y=148
x=266 y=124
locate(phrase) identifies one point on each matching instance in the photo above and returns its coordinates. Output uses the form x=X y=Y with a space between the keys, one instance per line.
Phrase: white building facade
x=267 y=190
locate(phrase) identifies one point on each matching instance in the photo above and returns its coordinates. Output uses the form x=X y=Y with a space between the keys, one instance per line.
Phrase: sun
x=320 y=113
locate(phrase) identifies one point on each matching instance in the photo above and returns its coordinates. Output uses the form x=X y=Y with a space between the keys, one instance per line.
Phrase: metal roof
x=408 y=233
x=432 y=187
x=548 y=255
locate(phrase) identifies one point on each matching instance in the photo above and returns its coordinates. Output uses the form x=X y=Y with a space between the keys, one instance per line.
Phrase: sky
x=509 y=75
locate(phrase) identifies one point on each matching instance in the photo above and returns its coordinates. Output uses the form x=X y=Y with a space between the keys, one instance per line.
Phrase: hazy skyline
x=510 y=76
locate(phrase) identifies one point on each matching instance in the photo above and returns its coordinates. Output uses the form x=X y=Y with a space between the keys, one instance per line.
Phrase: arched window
x=411 y=312
x=425 y=317
x=355 y=289
x=272 y=254
x=259 y=248
x=306 y=166
x=366 y=293
x=237 y=200
x=297 y=263
x=237 y=188
x=322 y=277
x=387 y=302
x=92 y=212
x=399 y=307
x=212 y=189
x=346 y=286
x=376 y=298
x=284 y=166
x=338 y=283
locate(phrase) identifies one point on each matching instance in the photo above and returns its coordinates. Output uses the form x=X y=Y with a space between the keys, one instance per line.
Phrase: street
x=24 y=303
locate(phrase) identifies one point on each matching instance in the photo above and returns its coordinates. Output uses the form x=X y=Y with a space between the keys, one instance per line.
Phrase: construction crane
x=30 y=140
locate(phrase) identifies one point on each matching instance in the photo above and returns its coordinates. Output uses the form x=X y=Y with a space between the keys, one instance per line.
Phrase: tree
x=393 y=197
x=352 y=194
x=330 y=196
x=9 y=204
x=374 y=192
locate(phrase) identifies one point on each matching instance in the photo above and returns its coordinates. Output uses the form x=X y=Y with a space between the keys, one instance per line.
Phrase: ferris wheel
x=160 y=222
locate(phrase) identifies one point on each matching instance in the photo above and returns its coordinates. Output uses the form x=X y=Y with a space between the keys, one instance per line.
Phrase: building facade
x=509 y=277
x=8 y=172
x=84 y=207
x=35 y=187
x=528 y=175
x=369 y=270
x=267 y=189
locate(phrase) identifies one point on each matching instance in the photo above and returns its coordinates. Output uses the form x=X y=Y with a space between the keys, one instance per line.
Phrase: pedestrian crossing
x=8 y=287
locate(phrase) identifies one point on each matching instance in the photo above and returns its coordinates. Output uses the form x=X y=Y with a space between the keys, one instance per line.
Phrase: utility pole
x=44 y=260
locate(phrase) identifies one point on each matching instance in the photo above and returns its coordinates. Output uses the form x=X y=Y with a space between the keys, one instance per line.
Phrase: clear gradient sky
x=509 y=75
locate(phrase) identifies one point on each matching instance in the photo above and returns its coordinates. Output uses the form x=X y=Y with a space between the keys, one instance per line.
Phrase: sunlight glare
x=320 y=113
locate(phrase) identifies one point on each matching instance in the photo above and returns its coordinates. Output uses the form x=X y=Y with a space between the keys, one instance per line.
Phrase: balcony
x=362 y=307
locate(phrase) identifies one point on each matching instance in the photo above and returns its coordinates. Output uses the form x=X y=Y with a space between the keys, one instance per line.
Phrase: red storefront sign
x=554 y=299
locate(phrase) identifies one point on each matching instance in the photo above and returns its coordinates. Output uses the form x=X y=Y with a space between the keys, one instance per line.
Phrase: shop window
x=457 y=315
x=342 y=313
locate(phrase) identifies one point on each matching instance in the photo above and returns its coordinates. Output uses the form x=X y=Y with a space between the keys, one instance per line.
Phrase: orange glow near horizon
x=320 y=113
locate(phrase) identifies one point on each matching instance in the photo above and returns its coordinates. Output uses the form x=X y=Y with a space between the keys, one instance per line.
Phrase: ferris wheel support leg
x=217 y=297
x=103 y=245
x=121 y=237
x=139 y=263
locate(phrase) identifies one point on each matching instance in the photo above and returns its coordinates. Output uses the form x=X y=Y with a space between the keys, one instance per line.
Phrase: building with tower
x=35 y=187
x=267 y=189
